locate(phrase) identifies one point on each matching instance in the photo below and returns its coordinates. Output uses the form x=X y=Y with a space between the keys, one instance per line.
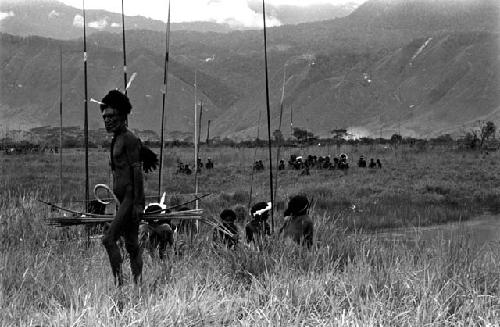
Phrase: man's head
x=115 y=107
x=297 y=206
x=260 y=210
x=228 y=215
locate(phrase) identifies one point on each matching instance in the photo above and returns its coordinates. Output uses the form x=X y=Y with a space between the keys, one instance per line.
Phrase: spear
x=253 y=162
x=164 y=91
x=195 y=140
x=279 y=129
x=86 y=116
x=60 y=124
x=195 y=144
x=208 y=132
x=268 y=119
x=199 y=124
x=124 y=53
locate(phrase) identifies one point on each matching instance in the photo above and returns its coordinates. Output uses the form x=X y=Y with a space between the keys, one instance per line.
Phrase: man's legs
x=115 y=259
x=111 y=237
x=132 y=245
x=165 y=236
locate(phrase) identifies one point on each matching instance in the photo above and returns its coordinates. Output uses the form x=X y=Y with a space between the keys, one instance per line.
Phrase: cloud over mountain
x=99 y=24
x=4 y=15
x=78 y=21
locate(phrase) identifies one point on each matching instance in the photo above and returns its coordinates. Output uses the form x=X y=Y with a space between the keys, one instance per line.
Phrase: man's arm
x=139 y=198
x=133 y=154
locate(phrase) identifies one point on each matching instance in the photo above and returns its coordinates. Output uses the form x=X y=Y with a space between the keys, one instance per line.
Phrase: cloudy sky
x=196 y=10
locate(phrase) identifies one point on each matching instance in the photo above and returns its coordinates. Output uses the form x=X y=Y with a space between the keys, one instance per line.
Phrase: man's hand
x=149 y=159
x=138 y=211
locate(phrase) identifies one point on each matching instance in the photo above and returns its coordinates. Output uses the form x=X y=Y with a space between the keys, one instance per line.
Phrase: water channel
x=482 y=230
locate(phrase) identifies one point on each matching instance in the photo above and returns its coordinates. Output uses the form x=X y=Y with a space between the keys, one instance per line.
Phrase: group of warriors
x=302 y=164
x=372 y=164
x=186 y=170
x=313 y=161
x=258 y=165
x=236 y=227
x=129 y=159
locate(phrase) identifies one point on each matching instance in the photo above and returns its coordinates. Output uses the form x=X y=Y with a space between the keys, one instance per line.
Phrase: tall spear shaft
x=196 y=145
x=165 y=80
x=124 y=54
x=208 y=132
x=195 y=137
x=60 y=124
x=268 y=119
x=253 y=161
x=282 y=100
x=86 y=116
x=199 y=125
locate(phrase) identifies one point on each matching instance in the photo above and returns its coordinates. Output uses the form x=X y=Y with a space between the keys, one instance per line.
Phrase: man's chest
x=118 y=152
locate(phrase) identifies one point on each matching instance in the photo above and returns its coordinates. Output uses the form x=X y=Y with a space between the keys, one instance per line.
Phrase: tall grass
x=51 y=277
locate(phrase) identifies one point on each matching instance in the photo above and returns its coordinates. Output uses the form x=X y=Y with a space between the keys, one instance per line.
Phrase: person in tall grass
x=228 y=218
x=298 y=225
x=258 y=226
x=128 y=186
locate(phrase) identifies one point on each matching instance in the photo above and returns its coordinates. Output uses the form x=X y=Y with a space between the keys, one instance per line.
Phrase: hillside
x=420 y=67
x=430 y=86
x=29 y=86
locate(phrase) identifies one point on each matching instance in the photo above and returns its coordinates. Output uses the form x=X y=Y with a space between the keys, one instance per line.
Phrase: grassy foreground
x=50 y=277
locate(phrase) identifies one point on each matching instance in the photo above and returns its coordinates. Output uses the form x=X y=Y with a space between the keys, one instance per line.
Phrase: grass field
x=50 y=277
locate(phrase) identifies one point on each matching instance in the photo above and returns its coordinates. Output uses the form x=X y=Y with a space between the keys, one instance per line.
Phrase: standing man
x=128 y=185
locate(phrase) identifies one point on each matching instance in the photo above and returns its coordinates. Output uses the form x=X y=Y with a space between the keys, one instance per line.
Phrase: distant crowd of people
x=304 y=164
x=185 y=169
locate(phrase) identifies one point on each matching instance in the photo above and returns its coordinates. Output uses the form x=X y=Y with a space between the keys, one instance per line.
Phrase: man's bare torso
x=125 y=156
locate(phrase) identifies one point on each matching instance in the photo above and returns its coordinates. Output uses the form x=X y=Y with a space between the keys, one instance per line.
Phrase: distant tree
x=471 y=140
x=396 y=139
x=488 y=130
x=478 y=135
x=339 y=134
x=302 y=134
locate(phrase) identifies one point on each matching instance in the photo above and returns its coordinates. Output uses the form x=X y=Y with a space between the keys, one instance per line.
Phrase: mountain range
x=419 y=68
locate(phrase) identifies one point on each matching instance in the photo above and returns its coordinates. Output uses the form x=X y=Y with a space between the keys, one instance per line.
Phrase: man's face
x=113 y=121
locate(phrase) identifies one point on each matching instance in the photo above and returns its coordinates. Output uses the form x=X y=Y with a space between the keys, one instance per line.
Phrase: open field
x=50 y=277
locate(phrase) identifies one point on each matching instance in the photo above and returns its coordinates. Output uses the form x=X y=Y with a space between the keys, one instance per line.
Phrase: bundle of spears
x=159 y=214
x=78 y=218
x=162 y=215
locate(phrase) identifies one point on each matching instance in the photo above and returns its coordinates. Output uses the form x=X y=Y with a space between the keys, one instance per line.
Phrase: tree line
x=481 y=136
